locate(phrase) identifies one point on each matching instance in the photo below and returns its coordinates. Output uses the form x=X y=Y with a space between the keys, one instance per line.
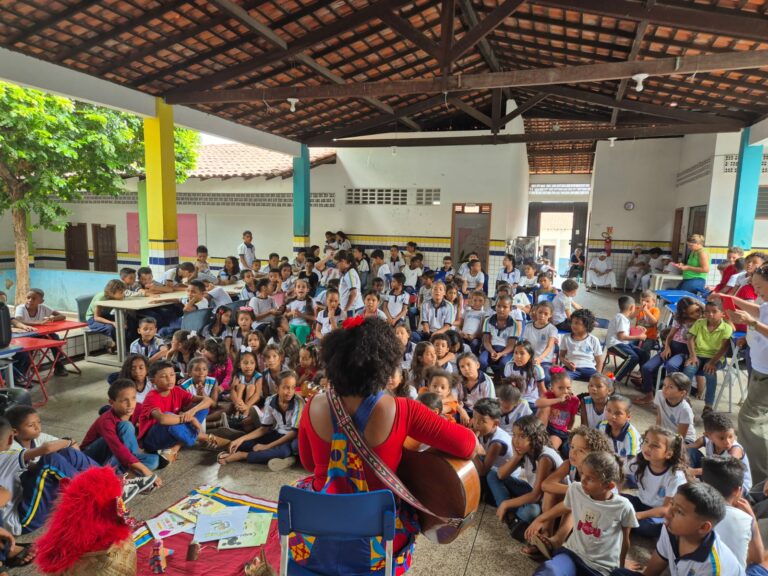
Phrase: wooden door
x=579 y=230
x=677 y=232
x=76 y=246
x=697 y=220
x=471 y=232
x=104 y=248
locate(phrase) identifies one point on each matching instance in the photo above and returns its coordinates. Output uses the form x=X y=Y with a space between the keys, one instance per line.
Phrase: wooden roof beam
x=310 y=39
x=662 y=131
x=513 y=78
x=521 y=109
x=447 y=19
x=471 y=111
x=690 y=17
x=634 y=51
x=414 y=36
x=242 y=15
x=65 y=14
x=482 y=29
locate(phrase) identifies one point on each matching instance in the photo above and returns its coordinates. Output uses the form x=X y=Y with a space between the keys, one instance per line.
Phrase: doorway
x=555 y=233
x=557 y=218
x=76 y=246
x=471 y=232
x=677 y=232
x=697 y=220
x=104 y=248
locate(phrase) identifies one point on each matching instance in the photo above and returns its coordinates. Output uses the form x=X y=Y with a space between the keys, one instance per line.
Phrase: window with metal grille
x=762 y=203
x=428 y=196
x=552 y=188
x=391 y=196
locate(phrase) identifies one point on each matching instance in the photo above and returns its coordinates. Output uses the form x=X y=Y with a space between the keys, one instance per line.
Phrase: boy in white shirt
x=739 y=528
x=33 y=313
x=474 y=279
x=563 y=305
x=247 y=251
x=412 y=273
x=395 y=305
x=383 y=270
x=621 y=341
x=216 y=295
x=473 y=321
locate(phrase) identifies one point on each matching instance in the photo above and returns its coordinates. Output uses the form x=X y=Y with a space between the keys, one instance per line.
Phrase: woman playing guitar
x=359 y=361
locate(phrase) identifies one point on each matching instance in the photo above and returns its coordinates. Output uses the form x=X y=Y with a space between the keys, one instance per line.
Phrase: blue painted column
x=745 y=194
x=301 y=207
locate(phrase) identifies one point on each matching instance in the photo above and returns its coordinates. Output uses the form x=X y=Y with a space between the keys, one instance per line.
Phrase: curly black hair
x=587 y=317
x=533 y=429
x=359 y=361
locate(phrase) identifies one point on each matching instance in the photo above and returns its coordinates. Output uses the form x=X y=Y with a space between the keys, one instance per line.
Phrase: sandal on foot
x=221 y=458
x=532 y=551
x=169 y=455
x=543 y=545
x=24 y=557
x=214 y=442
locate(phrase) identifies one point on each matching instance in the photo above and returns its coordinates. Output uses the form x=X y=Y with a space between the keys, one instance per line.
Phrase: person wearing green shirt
x=708 y=341
x=696 y=269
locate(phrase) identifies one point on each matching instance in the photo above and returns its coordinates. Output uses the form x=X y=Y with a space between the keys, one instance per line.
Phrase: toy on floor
x=158 y=562
x=259 y=566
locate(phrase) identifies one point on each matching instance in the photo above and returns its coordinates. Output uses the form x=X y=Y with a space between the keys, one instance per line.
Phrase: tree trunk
x=22 y=253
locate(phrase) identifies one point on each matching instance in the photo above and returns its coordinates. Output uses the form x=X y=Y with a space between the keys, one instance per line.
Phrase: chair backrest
x=82 y=305
x=196 y=320
x=337 y=516
x=601 y=323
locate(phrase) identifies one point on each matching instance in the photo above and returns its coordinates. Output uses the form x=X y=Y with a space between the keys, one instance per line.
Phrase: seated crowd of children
x=503 y=367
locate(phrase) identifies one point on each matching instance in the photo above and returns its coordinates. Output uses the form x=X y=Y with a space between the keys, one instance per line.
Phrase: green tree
x=53 y=149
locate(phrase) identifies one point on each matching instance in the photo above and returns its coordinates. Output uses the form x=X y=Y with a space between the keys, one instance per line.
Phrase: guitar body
x=449 y=487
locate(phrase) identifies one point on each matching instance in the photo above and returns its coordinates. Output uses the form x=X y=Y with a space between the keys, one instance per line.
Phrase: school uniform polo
x=711 y=558
x=412 y=276
x=510 y=278
x=350 y=281
x=473 y=320
x=671 y=416
x=626 y=444
x=219 y=296
x=147 y=349
x=189 y=386
x=248 y=252
x=262 y=306
x=22 y=313
x=282 y=422
x=12 y=465
x=500 y=334
x=504 y=440
x=436 y=317
x=475 y=282
x=507 y=421
x=709 y=451
x=653 y=489
x=396 y=302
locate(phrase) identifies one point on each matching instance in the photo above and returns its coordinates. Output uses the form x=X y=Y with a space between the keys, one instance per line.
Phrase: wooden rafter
x=521 y=109
x=485 y=27
x=518 y=78
x=471 y=111
x=447 y=14
x=407 y=31
x=637 y=43
x=55 y=18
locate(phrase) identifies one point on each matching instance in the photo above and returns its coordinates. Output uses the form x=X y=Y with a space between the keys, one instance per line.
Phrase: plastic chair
x=196 y=320
x=83 y=302
x=234 y=307
x=336 y=517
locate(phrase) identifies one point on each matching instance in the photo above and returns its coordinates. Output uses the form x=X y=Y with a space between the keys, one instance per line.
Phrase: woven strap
x=382 y=471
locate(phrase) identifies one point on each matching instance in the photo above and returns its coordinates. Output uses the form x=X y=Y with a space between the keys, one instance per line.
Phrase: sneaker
x=142 y=484
x=280 y=464
x=130 y=491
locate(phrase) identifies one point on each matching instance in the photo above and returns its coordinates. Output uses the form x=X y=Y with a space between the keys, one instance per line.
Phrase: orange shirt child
x=648 y=320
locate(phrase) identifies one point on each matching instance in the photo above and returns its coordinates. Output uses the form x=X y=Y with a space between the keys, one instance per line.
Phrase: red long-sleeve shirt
x=411 y=419
x=106 y=427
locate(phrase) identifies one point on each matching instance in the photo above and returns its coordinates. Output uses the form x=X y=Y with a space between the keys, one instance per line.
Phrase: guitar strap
x=382 y=471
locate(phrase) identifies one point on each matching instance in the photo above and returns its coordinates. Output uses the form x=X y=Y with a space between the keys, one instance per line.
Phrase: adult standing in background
x=753 y=416
x=600 y=273
x=636 y=267
x=577 y=264
x=696 y=269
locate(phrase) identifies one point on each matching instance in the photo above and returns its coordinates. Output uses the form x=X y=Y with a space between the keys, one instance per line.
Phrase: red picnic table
x=53 y=328
x=40 y=350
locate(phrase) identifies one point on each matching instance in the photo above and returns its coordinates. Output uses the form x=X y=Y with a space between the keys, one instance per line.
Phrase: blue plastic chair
x=196 y=320
x=336 y=517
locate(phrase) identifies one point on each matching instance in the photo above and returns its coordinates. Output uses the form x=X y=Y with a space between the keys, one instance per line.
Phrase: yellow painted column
x=160 y=163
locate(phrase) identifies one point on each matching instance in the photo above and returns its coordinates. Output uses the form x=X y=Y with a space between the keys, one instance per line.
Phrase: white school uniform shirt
x=656 y=265
x=618 y=323
x=531 y=393
x=539 y=337
x=709 y=450
x=593 y=417
x=246 y=294
x=735 y=530
x=148 y=387
x=529 y=473
x=475 y=282
x=139 y=347
x=711 y=558
x=581 y=352
x=282 y=422
x=385 y=273
x=349 y=281
x=671 y=416
x=247 y=252
x=500 y=335
x=653 y=489
x=261 y=306
x=189 y=386
x=521 y=300
x=597 y=528
x=412 y=275
x=473 y=320
x=171 y=276
x=42 y=439
x=395 y=302
x=12 y=466
x=510 y=278
x=526 y=282
x=626 y=445
x=436 y=317
x=562 y=304
x=483 y=389
x=507 y=421
x=201 y=305
x=22 y=313
x=396 y=265
x=758 y=344
x=737 y=280
x=219 y=296
x=325 y=322
x=503 y=439
x=300 y=306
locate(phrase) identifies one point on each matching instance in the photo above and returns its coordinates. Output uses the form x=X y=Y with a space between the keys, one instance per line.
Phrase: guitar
x=446 y=486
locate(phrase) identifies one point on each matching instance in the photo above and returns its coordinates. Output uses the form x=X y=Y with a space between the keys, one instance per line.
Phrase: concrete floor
x=484 y=549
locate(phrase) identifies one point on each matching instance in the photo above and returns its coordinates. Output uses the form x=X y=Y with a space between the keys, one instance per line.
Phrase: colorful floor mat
x=212 y=562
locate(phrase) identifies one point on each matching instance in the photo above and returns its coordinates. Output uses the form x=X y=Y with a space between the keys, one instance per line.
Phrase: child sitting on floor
x=440 y=382
x=580 y=351
x=111 y=439
x=97 y=315
x=500 y=333
x=523 y=364
x=620 y=339
x=513 y=407
x=673 y=411
x=220 y=366
x=172 y=417
x=659 y=470
x=445 y=358
x=246 y=390
x=719 y=439
x=543 y=336
x=184 y=347
x=520 y=497
x=594 y=401
x=136 y=369
x=688 y=543
x=148 y=344
x=219 y=327
x=473 y=320
x=495 y=442
x=309 y=359
x=472 y=385
x=201 y=384
x=558 y=407
x=245 y=320
x=301 y=312
x=424 y=358
x=603 y=519
x=564 y=306
x=623 y=436
x=275 y=442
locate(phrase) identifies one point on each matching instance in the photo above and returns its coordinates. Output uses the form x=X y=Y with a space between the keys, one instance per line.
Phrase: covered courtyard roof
x=232 y=58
